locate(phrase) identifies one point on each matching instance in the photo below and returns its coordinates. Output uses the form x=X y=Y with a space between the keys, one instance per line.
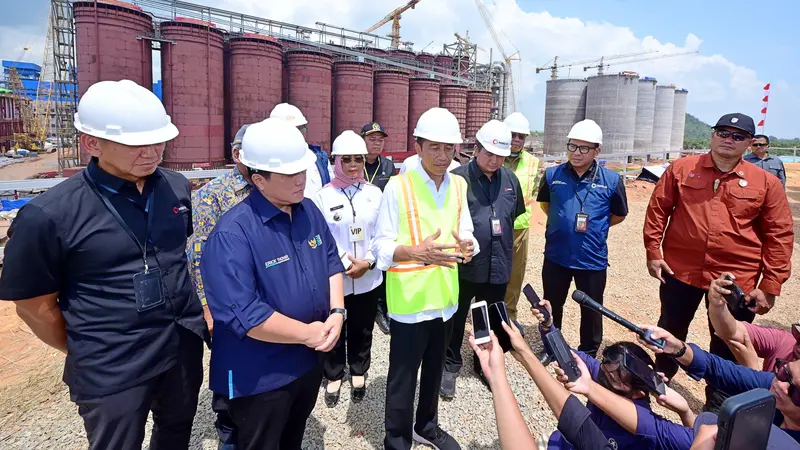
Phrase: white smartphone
x=480 y=322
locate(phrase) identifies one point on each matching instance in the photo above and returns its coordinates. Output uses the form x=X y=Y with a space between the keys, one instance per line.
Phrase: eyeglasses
x=782 y=373
x=735 y=135
x=583 y=149
x=759 y=145
x=349 y=159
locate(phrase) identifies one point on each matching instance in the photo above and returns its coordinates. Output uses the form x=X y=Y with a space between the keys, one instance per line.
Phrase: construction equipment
x=602 y=65
x=467 y=41
x=394 y=16
x=515 y=57
x=555 y=66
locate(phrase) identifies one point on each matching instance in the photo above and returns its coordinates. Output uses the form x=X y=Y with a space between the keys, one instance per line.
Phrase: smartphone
x=559 y=350
x=745 y=421
x=497 y=315
x=644 y=373
x=480 y=322
x=534 y=299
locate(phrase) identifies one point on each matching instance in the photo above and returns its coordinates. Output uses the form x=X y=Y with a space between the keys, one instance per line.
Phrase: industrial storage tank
x=390 y=107
x=454 y=98
x=662 y=119
x=107 y=48
x=425 y=61
x=256 y=78
x=444 y=65
x=611 y=102
x=193 y=94
x=565 y=105
x=402 y=55
x=479 y=110
x=352 y=96
x=310 y=89
x=423 y=94
x=678 y=120
x=645 y=111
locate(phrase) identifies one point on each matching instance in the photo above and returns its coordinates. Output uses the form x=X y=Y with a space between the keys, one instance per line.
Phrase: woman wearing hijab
x=350 y=206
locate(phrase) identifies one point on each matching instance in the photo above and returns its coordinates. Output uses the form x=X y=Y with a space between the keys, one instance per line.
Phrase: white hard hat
x=586 y=130
x=438 y=125
x=274 y=145
x=495 y=137
x=124 y=112
x=349 y=143
x=517 y=123
x=289 y=113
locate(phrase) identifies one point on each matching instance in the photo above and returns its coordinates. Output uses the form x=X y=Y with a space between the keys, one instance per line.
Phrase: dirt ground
x=20 y=171
x=35 y=411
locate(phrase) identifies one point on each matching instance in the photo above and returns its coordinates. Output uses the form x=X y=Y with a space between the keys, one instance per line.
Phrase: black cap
x=372 y=127
x=739 y=121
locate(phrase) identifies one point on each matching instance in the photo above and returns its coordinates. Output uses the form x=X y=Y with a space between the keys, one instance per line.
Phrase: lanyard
x=588 y=190
x=374 y=174
x=351 y=197
x=122 y=223
x=488 y=194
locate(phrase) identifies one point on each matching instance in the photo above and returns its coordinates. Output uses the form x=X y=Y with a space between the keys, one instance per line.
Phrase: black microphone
x=585 y=300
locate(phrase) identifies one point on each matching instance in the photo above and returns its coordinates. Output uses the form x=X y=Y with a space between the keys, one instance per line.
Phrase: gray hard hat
x=237 y=141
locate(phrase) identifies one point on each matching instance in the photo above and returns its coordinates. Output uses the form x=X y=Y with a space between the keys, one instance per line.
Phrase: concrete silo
x=678 y=120
x=611 y=102
x=645 y=113
x=662 y=119
x=564 y=107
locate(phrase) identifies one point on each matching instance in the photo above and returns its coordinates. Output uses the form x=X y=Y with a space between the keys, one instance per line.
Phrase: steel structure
x=65 y=79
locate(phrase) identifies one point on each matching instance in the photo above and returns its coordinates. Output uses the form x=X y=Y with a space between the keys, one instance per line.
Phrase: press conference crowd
x=284 y=265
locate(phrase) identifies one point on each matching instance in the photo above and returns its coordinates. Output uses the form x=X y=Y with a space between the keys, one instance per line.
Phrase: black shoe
x=358 y=393
x=332 y=398
x=484 y=380
x=439 y=440
x=382 y=321
x=448 y=388
x=520 y=328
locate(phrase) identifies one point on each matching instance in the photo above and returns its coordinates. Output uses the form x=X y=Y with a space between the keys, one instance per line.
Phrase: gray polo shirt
x=771 y=164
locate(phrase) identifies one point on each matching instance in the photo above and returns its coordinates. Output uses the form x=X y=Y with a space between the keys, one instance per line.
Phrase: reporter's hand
x=763 y=301
x=582 y=384
x=315 y=335
x=717 y=290
x=656 y=267
x=540 y=317
x=490 y=356
x=672 y=400
x=706 y=438
x=430 y=252
x=745 y=353
x=331 y=331
x=518 y=343
x=672 y=345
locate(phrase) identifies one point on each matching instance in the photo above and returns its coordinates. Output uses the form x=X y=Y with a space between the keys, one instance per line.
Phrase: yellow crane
x=394 y=16
x=515 y=57
x=467 y=41
x=602 y=65
x=555 y=66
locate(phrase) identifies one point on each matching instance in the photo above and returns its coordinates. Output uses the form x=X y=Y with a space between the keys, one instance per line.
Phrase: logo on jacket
x=315 y=242
x=180 y=209
x=558 y=182
x=276 y=261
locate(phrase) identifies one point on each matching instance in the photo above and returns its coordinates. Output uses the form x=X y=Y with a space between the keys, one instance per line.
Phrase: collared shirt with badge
x=259 y=261
x=209 y=203
x=712 y=222
x=352 y=215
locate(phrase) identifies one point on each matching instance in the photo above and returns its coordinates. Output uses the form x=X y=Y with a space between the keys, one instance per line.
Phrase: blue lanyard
x=94 y=185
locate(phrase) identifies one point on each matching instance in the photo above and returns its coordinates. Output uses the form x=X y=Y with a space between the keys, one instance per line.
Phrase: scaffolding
x=65 y=81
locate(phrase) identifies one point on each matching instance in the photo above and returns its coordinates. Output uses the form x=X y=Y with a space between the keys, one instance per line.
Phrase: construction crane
x=467 y=41
x=602 y=65
x=515 y=57
x=394 y=16
x=555 y=66
x=44 y=91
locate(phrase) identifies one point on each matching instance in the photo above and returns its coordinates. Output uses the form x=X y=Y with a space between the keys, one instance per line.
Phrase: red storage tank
x=256 y=76
x=379 y=52
x=423 y=94
x=402 y=55
x=444 y=64
x=310 y=89
x=352 y=96
x=425 y=61
x=479 y=110
x=454 y=98
x=107 y=48
x=391 y=107
x=193 y=94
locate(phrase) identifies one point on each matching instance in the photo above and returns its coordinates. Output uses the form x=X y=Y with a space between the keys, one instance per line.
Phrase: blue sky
x=742 y=44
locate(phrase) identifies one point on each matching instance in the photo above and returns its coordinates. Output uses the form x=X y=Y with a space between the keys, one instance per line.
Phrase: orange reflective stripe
x=413 y=219
x=531 y=176
x=411 y=269
x=458 y=192
x=417 y=226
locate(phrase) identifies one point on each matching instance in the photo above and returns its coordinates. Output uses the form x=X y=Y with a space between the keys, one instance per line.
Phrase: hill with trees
x=698 y=133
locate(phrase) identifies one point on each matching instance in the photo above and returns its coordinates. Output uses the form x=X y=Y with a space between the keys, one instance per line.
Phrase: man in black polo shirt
x=378 y=170
x=98 y=270
x=495 y=201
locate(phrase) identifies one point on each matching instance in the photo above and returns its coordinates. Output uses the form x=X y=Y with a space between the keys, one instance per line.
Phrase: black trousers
x=679 y=302
x=276 y=419
x=118 y=420
x=491 y=293
x=355 y=342
x=556 y=280
x=411 y=345
x=226 y=429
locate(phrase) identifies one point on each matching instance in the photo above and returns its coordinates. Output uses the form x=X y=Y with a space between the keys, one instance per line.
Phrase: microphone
x=585 y=300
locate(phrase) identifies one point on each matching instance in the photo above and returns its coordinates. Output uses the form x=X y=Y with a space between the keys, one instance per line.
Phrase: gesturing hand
x=358 y=269
x=467 y=247
x=429 y=251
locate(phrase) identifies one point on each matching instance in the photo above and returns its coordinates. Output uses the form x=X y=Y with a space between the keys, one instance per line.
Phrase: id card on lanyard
x=147 y=286
x=581 y=218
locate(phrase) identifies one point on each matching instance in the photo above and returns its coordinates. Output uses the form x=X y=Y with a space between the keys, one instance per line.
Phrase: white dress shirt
x=385 y=244
x=353 y=233
x=412 y=162
x=314 y=181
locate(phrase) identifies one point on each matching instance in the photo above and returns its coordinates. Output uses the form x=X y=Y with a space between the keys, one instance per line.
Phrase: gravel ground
x=38 y=414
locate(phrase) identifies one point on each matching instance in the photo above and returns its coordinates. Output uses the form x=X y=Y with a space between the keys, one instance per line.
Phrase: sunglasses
x=760 y=145
x=582 y=149
x=735 y=135
x=782 y=373
x=349 y=159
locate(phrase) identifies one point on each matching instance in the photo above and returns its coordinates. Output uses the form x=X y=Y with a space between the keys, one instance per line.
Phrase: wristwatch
x=680 y=353
x=341 y=311
x=371 y=264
